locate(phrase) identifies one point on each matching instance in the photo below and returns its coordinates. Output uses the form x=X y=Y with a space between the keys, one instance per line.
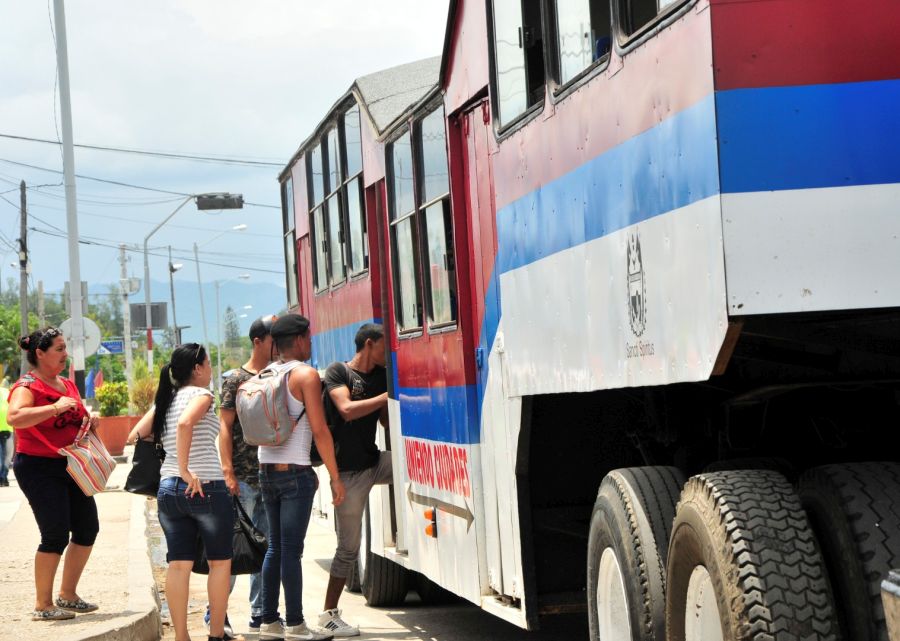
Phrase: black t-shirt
x=356 y=439
x=243 y=456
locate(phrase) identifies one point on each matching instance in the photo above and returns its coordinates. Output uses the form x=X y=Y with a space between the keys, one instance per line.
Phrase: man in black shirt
x=358 y=391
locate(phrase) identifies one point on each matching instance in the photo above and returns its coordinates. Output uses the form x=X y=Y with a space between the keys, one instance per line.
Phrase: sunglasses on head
x=47 y=338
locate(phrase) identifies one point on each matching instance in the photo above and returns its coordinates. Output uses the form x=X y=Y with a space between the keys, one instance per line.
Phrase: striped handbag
x=89 y=464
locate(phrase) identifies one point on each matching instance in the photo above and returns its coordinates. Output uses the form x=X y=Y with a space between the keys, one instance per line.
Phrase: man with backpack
x=358 y=392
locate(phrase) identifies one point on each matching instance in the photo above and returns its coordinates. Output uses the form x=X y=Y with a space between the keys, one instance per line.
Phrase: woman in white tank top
x=288 y=483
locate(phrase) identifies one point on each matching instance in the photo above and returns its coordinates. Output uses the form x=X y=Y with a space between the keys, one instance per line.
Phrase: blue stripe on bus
x=836 y=135
x=445 y=414
x=336 y=344
x=669 y=166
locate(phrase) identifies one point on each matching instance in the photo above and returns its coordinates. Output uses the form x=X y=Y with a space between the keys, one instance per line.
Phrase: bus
x=637 y=265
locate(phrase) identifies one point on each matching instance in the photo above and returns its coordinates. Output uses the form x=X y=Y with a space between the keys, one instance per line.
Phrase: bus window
x=334 y=160
x=316 y=177
x=319 y=248
x=290 y=249
x=335 y=238
x=635 y=14
x=582 y=35
x=518 y=57
x=434 y=199
x=358 y=250
x=404 y=235
x=355 y=243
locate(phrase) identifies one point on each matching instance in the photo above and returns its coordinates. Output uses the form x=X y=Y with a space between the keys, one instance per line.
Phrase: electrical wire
x=123 y=184
x=246 y=162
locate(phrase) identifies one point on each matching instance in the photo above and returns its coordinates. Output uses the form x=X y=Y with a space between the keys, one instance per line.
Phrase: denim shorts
x=183 y=519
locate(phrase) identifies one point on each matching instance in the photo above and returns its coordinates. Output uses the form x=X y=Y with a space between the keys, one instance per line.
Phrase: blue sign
x=113 y=347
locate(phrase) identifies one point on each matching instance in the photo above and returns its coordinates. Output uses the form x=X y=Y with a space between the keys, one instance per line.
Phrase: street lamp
x=219 y=326
x=174 y=267
x=240 y=227
x=204 y=202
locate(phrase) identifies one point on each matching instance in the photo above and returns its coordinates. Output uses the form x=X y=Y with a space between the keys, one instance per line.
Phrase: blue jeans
x=183 y=518
x=288 y=497
x=6 y=450
x=252 y=501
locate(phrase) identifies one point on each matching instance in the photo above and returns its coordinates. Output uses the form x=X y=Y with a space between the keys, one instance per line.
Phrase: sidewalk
x=117 y=577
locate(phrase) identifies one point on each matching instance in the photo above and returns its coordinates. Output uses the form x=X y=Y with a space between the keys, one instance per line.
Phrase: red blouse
x=60 y=430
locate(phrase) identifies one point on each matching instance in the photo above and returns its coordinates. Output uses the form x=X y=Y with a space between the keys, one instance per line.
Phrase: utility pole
x=172 y=291
x=23 y=273
x=76 y=340
x=126 y=317
x=40 y=302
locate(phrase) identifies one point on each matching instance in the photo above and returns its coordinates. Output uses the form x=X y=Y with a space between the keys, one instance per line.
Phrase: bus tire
x=382 y=582
x=855 y=511
x=626 y=557
x=744 y=563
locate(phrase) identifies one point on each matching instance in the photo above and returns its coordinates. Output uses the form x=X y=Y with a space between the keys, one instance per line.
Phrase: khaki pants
x=348 y=515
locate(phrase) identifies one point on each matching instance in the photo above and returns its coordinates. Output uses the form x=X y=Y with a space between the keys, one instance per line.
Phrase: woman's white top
x=295 y=448
x=203 y=459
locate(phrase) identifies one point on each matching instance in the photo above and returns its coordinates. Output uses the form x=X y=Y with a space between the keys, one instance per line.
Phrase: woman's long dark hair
x=174 y=375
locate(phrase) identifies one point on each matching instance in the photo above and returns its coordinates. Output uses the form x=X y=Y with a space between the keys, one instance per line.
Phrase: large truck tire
x=626 y=559
x=744 y=564
x=382 y=582
x=855 y=512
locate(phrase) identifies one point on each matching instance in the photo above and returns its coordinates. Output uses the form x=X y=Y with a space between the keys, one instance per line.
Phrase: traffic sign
x=91 y=334
x=111 y=347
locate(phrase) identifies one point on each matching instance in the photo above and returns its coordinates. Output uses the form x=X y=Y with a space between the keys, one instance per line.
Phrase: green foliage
x=113 y=397
x=143 y=387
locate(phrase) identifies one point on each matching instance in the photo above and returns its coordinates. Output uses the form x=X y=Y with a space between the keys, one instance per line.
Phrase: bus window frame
x=554 y=71
x=393 y=220
x=419 y=211
x=345 y=188
x=505 y=130
x=625 y=43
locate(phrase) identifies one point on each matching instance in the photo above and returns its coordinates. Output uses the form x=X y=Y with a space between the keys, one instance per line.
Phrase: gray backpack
x=262 y=407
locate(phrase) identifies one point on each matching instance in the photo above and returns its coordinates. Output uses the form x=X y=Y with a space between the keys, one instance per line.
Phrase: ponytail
x=173 y=376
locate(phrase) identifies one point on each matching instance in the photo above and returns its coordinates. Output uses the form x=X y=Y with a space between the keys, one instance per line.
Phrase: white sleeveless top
x=296 y=448
x=203 y=458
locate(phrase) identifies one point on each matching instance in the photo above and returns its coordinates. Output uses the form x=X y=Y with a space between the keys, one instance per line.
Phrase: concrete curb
x=143 y=599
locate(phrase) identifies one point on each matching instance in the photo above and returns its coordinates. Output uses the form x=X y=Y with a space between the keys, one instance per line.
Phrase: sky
x=217 y=78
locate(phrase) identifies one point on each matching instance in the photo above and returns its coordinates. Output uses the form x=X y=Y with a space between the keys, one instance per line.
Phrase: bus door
x=497 y=427
x=434 y=391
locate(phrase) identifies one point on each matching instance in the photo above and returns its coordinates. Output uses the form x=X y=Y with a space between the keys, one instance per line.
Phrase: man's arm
x=226 y=449
x=352 y=410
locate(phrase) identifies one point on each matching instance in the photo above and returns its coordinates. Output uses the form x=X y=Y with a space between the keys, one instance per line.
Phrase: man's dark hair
x=375 y=331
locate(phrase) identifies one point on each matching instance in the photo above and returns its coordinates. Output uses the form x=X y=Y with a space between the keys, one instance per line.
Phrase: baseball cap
x=290 y=325
x=262 y=326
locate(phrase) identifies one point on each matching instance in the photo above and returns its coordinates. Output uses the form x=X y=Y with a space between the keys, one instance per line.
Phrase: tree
x=232 y=329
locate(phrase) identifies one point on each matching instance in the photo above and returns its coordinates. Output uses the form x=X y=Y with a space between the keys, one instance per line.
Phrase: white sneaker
x=272 y=631
x=331 y=621
x=303 y=633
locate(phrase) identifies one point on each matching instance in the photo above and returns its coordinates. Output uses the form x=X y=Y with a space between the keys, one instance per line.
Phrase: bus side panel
x=624 y=247
x=808 y=142
x=466 y=64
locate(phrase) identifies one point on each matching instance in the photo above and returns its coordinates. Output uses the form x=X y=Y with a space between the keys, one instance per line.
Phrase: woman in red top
x=43 y=401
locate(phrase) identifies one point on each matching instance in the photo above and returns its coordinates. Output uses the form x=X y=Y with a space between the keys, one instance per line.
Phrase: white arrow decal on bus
x=449 y=508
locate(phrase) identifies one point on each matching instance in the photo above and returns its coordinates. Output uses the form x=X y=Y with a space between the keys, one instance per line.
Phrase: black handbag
x=248 y=546
x=145 y=464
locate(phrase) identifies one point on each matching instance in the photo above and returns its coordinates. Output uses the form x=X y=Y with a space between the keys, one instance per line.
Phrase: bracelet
x=55 y=409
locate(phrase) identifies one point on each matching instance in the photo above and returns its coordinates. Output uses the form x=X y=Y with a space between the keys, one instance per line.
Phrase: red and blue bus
x=637 y=264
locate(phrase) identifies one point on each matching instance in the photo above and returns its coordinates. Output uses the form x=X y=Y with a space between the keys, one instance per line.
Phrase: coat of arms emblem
x=637 y=287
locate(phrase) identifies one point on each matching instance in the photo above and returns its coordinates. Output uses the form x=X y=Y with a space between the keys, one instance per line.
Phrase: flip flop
x=51 y=615
x=79 y=605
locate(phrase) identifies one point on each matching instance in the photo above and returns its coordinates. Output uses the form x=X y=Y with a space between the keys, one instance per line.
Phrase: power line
x=113 y=245
x=156 y=154
x=123 y=184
